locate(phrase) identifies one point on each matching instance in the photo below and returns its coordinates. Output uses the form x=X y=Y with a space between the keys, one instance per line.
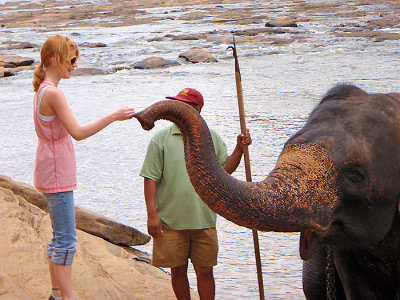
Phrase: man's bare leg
x=180 y=282
x=205 y=282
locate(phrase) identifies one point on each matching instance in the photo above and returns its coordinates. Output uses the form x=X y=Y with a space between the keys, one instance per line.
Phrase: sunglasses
x=72 y=60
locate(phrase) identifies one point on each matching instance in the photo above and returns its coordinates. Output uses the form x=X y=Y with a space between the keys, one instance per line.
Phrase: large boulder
x=101 y=270
x=197 y=55
x=16 y=61
x=86 y=220
x=155 y=62
x=282 y=22
x=88 y=71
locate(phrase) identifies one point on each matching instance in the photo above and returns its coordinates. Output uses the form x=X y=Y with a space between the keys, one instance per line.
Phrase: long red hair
x=56 y=46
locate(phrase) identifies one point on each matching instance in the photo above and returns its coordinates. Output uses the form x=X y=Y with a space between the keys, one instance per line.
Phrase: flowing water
x=281 y=83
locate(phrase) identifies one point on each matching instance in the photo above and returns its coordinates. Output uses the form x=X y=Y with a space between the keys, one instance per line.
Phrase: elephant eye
x=355 y=175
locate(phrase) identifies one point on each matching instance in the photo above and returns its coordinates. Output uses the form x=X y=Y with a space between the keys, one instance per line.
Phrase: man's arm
x=154 y=227
x=233 y=160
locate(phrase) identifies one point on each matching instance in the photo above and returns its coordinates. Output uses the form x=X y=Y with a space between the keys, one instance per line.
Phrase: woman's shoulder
x=53 y=92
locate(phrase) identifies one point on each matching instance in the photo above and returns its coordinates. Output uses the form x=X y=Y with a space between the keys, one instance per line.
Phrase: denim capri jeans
x=62 y=247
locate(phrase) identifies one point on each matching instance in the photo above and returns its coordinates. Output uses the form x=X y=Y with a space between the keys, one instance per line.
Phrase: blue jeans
x=62 y=247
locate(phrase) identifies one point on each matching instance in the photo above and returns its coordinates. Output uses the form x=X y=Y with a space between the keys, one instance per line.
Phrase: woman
x=55 y=168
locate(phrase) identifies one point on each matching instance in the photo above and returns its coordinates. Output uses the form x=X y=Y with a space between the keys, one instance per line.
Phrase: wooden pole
x=246 y=155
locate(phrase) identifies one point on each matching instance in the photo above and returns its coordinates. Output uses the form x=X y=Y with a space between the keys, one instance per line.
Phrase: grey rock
x=154 y=63
x=197 y=55
x=88 y=71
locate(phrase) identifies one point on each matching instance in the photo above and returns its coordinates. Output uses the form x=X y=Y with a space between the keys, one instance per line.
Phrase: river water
x=281 y=83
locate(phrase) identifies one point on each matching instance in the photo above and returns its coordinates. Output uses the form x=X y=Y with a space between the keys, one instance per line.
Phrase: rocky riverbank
x=375 y=21
x=102 y=270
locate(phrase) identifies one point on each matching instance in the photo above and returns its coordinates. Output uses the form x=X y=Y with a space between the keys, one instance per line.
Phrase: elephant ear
x=308 y=241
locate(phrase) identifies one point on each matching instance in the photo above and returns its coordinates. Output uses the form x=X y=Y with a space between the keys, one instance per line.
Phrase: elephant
x=336 y=181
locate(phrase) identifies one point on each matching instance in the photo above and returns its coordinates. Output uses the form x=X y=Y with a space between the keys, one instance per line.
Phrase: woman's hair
x=56 y=46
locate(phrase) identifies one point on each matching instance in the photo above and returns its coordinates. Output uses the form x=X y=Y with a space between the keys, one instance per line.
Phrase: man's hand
x=154 y=227
x=244 y=139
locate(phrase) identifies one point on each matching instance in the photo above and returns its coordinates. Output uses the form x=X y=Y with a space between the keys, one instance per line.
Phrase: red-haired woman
x=55 y=167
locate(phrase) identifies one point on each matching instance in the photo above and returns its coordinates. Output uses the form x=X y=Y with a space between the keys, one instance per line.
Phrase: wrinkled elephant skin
x=337 y=181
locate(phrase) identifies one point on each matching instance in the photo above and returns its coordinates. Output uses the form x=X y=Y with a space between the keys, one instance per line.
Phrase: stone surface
x=197 y=55
x=88 y=71
x=16 y=61
x=154 y=63
x=101 y=270
x=282 y=22
x=86 y=220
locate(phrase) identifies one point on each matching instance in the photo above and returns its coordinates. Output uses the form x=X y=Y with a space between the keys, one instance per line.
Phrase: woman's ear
x=52 y=61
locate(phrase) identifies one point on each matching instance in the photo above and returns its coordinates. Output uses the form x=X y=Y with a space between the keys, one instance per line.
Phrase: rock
x=282 y=22
x=86 y=220
x=101 y=270
x=255 y=31
x=188 y=37
x=93 y=45
x=88 y=71
x=196 y=55
x=16 y=61
x=21 y=45
x=6 y=64
x=154 y=63
x=108 y=229
x=4 y=72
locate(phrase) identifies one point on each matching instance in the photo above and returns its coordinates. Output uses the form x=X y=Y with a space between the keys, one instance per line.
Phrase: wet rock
x=16 y=61
x=255 y=31
x=88 y=71
x=20 y=45
x=197 y=55
x=188 y=37
x=93 y=45
x=154 y=63
x=282 y=22
x=6 y=64
x=4 y=72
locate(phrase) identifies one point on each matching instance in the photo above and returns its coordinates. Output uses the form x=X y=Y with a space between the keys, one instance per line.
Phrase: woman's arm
x=54 y=100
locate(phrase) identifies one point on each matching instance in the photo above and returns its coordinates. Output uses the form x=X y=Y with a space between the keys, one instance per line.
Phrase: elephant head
x=337 y=180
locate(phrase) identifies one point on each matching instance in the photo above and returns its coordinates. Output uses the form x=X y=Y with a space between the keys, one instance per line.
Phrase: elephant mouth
x=308 y=241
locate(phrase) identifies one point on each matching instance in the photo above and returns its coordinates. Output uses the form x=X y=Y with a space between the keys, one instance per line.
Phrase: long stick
x=239 y=91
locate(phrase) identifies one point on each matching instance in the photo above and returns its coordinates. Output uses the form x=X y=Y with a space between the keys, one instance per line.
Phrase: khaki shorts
x=174 y=247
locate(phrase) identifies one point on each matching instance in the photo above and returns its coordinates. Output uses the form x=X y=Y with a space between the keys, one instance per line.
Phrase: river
x=281 y=83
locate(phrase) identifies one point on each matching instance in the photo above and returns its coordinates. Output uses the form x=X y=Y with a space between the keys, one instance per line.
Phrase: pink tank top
x=55 y=166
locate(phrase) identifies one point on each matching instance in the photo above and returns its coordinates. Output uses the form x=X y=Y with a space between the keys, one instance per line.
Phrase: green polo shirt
x=178 y=205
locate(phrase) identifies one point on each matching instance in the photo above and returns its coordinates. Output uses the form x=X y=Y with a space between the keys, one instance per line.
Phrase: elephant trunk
x=297 y=196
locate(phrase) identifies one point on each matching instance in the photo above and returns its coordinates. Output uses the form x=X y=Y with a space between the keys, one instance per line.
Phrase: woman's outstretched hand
x=123 y=113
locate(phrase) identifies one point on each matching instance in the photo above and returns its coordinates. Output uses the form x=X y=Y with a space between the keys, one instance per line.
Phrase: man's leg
x=180 y=282
x=205 y=282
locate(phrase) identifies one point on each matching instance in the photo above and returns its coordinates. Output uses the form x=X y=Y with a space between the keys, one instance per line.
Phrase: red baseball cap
x=190 y=96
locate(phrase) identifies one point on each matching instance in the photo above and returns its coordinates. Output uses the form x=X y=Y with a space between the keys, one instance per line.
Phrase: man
x=180 y=223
